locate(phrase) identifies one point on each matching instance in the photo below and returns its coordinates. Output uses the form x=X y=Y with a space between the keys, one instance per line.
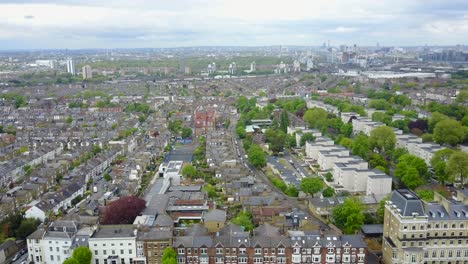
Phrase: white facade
x=312 y=148
x=379 y=185
x=71 y=66
x=114 y=248
x=53 y=245
x=35 y=212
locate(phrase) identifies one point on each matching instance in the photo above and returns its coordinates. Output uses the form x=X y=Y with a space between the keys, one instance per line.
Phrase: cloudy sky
x=180 y=23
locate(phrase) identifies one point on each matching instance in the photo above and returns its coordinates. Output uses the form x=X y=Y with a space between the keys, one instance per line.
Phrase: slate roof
x=407 y=202
x=372 y=229
x=214 y=215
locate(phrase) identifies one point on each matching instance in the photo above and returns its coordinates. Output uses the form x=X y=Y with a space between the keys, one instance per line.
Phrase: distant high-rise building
x=232 y=68
x=253 y=66
x=212 y=68
x=188 y=70
x=296 y=66
x=71 y=66
x=87 y=72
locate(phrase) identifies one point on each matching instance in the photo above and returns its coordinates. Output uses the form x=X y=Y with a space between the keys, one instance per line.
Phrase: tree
x=83 y=255
x=457 y=166
x=240 y=132
x=397 y=153
x=420 y=124
x=244 y=218
x=27 y=227
x=412 y=179
x=381 y=117
x=175 y=126
x=361 y=146
x=328 y=192
x=383 y=139
x=346 y=142
x=426 y=195
x=329 y=177
x=380 y=104
x=436 y=117
x=377 y=160
x=381 y=210
x=107 y=177
x=306 y=137
x=71 y=261
x=439 y=164
x=124 y=210
x=346 y=129
x=316 y=118
x=284 y=121
x=427 y=137
x=292 y=191
x=169 y=256
x=411 y=161
x=449 y=131
x=312 y=185
x=256 y=156
x=69 y=120
x=276 y=140
x=186 y=132
x=189 y=171
x=349 y=216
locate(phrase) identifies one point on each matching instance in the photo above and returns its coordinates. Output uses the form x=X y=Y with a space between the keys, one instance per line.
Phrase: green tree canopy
x=439 y=164
x=411 y=170
x=449 y=131
x=276 y=140
x=83 y=255
x=349 y=216
x=284 y=121
x=426 y=195
x=316 y=118
x=306 y=137
x=346 y=142
x=328 y=192
x=312 y=185
x=361 y=146
x=189 y=171
x=71 y=261
x=186 y=132
x=169 y=256
x=436 y=117
x=457 y=166
x=244 y=218
x=382 y=139
x=256 y=156
x=379 y=104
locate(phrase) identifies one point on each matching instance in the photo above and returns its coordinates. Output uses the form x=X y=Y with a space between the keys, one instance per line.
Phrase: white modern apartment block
x=378 y=184
x=71 y=66
x=365 y=125
x=53 y=244
x=312 y=148
x=350 y=173
x=115 y=244
x=301 y=130
x=87 y=72
x=415 y=146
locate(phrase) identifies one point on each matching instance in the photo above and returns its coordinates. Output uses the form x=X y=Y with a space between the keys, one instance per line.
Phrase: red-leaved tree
x=124 y=210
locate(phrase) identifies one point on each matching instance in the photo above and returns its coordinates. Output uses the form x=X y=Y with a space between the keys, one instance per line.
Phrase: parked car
x=17 y=256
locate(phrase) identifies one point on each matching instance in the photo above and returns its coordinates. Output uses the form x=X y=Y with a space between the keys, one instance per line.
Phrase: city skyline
x=95 y=24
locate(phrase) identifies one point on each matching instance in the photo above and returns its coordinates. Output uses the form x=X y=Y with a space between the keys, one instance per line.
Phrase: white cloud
x=342 y=29
x=221 y=22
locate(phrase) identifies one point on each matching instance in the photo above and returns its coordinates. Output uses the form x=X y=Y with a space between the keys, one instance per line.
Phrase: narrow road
x=292 y=202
